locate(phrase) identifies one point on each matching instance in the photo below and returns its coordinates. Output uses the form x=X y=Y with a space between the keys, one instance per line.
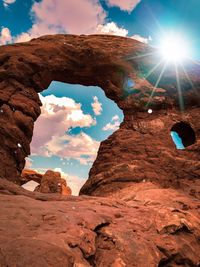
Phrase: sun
x=174 y=48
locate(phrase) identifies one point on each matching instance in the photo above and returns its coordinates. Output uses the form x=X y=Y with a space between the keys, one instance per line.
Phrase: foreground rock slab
x=151 y=227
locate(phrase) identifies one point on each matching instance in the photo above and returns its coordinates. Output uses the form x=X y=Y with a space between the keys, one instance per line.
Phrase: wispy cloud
x=141 y=39
x=115 y=118
x=5 y=36
x=6 y=3
x=113 y=125
x=125 y=5
x=96 y=106
x=112 y=29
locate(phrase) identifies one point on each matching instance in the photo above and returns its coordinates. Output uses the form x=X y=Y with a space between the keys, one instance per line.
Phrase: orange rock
x=66 y=190
x=52 y=182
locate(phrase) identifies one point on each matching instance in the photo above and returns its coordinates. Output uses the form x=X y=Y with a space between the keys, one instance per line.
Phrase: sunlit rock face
x=140 y=225
x=52 y=182
x=49 y=182
x=30 y=175
x=149 y=215
x=141 y=146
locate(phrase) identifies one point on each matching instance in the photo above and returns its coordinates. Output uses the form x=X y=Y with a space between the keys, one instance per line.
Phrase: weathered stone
x=149 y=212
x=51 y=182
x=141 y=146
x=141 y=225
x=30 y=175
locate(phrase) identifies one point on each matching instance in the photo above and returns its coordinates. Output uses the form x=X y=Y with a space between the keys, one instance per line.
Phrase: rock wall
x=142 y=149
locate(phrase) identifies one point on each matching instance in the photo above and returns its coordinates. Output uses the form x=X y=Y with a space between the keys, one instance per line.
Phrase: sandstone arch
x=140 y=223
x=105 y=61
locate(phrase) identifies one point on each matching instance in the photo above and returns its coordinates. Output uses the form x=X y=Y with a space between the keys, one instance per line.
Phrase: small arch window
x=183 y=135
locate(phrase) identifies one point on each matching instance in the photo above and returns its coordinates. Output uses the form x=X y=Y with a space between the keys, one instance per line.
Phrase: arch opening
x=183 y=135
x=74 y=120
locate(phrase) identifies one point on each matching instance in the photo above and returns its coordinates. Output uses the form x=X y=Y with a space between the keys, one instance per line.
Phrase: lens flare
x=174 y=48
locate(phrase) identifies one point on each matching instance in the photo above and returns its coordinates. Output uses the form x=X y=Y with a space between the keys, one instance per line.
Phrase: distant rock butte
x=30 y=175
x=143 y=201
x=50 y=182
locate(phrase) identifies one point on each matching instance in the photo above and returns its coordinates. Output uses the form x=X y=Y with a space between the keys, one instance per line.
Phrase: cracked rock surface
x=141 y=226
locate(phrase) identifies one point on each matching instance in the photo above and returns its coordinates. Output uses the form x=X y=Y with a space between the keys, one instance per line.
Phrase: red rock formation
x=141 y=225
x=30 y=175
x=143 y=150
x=143 y=143
x=52 y=182
x=156 y=221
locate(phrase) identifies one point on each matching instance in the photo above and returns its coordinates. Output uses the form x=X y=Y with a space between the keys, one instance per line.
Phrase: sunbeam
x=153 y=69
x=180 y=96
x=142 y=55
x=156 y=84
x=189 y=80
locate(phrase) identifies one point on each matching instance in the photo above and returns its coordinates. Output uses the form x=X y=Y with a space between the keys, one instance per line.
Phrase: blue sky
x=145 y=19
x=83 y=116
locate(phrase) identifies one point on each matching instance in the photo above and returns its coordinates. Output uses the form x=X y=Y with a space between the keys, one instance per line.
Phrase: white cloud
x=96 y=106
x=115 y=118
x=49 y=17
x=112 y=29
x=113 y=125
x=8 y=2
x=52 y=16
x=141 y=39
x=24 y=37
x=81 y=147
x=126 y=5
x=58 y=115
x=5 y=36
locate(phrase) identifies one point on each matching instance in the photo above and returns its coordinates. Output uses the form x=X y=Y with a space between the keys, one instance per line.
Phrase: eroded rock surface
x=50 y=182
x=142 y=225
x=142 y=148
x=30 y=175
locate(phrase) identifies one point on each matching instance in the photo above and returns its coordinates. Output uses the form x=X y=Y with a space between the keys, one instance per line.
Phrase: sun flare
x=174 y=48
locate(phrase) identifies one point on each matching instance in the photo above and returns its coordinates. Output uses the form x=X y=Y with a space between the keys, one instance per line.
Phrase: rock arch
x=185 y=132
x=132 y=154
